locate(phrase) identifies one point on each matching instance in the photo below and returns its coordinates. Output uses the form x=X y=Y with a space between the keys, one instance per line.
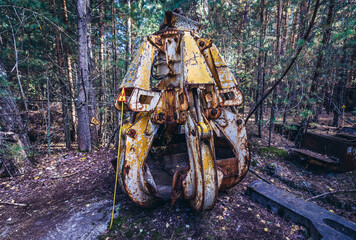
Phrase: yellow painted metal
x=121 y=153
x=209 y=61
x=194 y=68
x=132 y=157
x=236 y=135
x=201 y=182
x=139 y=71
x=189 y=91
x=226 y=78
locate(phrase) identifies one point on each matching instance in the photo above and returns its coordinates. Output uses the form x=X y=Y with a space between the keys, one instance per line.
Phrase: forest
x=62 y=63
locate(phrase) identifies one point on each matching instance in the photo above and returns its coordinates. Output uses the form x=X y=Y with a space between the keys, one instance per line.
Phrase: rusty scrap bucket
x=184 y=138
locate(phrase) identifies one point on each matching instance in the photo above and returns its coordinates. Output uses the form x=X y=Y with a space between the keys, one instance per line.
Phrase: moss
x=117 y=223
x=272 y=152
x=126 y=226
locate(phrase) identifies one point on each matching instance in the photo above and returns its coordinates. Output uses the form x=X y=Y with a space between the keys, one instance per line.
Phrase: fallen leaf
x=263 y=221
x=331 y=211
x=265 y=229
x=36 y=177
x=294 y=228
x=223 y=228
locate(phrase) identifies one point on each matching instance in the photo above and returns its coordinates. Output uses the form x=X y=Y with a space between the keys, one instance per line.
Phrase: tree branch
x=13 y=203
x=41 y=15
x=304 y=39
x=328 y=193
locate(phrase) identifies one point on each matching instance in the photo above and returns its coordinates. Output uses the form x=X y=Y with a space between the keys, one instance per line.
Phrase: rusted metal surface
x=185 y=140
x=180 y=22
x=331 y=151
x=340 y=150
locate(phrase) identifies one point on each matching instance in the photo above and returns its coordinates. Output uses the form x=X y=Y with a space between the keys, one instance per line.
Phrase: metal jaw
x=186 y=140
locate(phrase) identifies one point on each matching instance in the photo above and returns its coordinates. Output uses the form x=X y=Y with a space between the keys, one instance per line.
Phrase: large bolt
x=239 y=121
x=160 y=116
x=131 y=133
x=214 y=111
x=201 y=43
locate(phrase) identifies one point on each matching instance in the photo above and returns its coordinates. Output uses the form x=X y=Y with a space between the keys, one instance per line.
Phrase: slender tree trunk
x=262 y=90
x=91 y=91
x=294 y=29
x=115 y=80
x=48 y=118
x=339 y=92
x=284 y=26
x=246 y=14
x=128 y=35
x=278 y=28
x=64 y=92
x=73 y=119
x=278 y=52
x=101 y=69
x=259 y=92
x=83 y=131
x=319 y=60
x=303 y=16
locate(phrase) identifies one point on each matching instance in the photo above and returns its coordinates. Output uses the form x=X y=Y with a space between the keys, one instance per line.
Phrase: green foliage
x=3 y=82
x=272 y=152
x=234 y=26
x=12 y=150
x=16 y=150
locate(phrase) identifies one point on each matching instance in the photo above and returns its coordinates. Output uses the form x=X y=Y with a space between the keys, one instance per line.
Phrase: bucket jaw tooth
x=200 y=185
x=235 y=133
x=135 y=176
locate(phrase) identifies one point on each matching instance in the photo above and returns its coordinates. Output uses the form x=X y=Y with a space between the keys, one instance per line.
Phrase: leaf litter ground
x=70 y=183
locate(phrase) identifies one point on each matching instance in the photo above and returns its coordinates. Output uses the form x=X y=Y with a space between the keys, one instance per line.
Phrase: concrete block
x=321 y=223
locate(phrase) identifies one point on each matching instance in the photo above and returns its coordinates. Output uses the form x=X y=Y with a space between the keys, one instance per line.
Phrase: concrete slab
x=88 y=223
x=321 y=223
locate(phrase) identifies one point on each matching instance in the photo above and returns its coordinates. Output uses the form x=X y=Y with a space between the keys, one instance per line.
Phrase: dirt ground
x=68 y=181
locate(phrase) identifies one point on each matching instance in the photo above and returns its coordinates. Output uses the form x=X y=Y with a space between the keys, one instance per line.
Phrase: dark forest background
x=61 y=62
